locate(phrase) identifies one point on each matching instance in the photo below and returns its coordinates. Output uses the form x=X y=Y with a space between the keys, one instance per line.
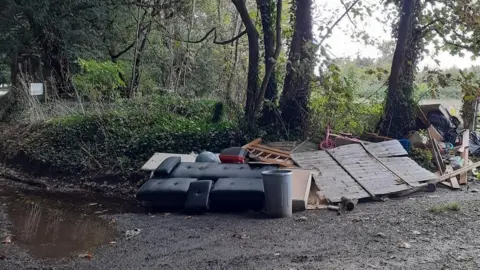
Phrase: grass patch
x=453 y=206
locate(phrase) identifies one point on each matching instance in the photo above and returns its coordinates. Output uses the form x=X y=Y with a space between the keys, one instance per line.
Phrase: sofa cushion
x=198 y=197
x=214 y=171
x=238 y=194
x=167 y=166
x=168 y=193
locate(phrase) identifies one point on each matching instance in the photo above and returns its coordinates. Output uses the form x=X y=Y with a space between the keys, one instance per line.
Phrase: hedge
x=122 y=138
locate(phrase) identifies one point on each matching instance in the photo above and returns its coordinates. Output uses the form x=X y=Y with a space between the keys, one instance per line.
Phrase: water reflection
x=57 y=227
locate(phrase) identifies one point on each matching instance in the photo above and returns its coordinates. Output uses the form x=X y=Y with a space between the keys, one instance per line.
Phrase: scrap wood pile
x=449 y=144
x=355 y=170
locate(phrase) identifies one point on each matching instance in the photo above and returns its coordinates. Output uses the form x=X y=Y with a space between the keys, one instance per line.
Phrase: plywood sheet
x=390 y=148
x=329 y=177
x=409 y=170
x=284 y=146
x=158 y=158
x=306 y=146
x=370 y=173
x=301 y=183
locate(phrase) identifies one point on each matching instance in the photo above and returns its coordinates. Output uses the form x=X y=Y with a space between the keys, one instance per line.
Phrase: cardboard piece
x=158 y=158
x=417 y=140
x=301 y=184
x=434 y=134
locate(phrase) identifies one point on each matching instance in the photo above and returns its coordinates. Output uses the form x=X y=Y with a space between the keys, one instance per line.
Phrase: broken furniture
x=170 y=182
x=198 y=196
x=238 y=194
x=442 y=124
x=167 y=193
x=268 y=154
x=233 y=155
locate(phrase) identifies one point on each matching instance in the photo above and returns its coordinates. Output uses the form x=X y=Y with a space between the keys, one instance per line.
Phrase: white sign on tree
x=36 y=89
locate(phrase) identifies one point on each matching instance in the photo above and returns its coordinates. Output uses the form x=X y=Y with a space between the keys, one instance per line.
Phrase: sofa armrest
x=167 y=166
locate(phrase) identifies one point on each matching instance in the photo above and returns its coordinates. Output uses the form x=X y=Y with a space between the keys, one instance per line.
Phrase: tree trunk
x=301 y=61
x=139 y=49
x=266 y=8
x=253 y=60
x=399 y=114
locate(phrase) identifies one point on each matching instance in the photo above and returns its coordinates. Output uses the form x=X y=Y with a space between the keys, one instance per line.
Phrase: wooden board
x=329 y=177
x=390 y=148
x=334 y=181
x=315 y=200
x=306 y=146
x=453 y=180
x=268 y=154
x=371 y=174
x=465 y=154
x=408 y=170
x=285 y=145
x=158 y=158
x=301 y=183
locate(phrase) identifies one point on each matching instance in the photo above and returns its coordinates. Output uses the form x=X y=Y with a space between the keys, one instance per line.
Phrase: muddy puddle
x=51 y=226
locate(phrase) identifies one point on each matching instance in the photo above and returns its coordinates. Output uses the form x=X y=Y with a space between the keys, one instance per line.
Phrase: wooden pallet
x=268 y=154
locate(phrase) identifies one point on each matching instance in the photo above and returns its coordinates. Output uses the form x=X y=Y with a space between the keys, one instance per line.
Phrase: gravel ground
x=397 y=234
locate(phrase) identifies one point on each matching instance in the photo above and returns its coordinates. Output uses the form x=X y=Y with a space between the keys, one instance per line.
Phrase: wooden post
x=465 y=153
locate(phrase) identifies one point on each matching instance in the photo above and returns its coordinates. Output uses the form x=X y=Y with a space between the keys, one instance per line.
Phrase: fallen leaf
x=92 y=204
x=380 y=234
x=416 y=232
x=405 y=245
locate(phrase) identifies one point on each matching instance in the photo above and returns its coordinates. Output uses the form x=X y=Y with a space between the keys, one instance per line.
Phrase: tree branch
x=215 y=41
x=329 y=31
x=241 y=34
x=115 y=56
x=424 y=28
x=348 y=15
x=451 y=43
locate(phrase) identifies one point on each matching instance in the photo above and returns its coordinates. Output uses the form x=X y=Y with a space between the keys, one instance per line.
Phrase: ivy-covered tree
x=301 y=62
x=399 y=114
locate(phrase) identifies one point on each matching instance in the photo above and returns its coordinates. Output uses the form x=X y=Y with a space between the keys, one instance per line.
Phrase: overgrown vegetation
x=122 y=137
x=424 y=158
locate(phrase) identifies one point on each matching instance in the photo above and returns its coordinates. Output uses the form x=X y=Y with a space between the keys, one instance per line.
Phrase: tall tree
x=399 y=114
x=267 y=8
x=253 y=59
x=301 y=62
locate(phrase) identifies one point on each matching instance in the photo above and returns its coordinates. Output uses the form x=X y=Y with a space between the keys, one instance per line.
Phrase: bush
x=122 y=138
x=100 y=80
x=336 y=100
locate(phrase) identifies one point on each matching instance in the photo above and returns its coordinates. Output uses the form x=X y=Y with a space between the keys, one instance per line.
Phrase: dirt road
x=397 y=234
